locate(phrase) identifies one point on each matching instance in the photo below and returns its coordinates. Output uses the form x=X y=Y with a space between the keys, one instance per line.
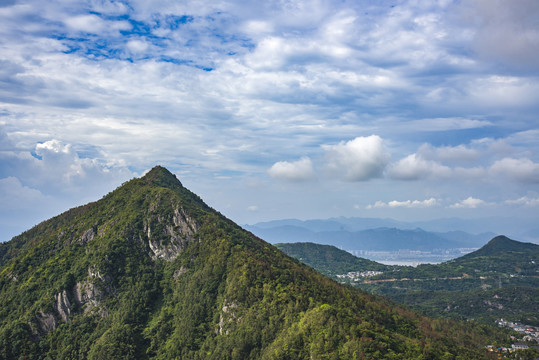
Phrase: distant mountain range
x=464 y=231
x=377 y=239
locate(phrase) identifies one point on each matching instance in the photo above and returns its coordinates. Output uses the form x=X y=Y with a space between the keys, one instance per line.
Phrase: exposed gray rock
x=46 y=322
x=87 y=236
x=184 y=221
x=63 y=306
x=227 y=316
x=87 y=295
x=177 y=235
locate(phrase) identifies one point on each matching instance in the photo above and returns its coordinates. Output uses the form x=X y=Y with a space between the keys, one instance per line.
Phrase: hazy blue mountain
x=467 y=240
x=469 y=231
x=313 y=225
x=517 y=228
x=377 y=239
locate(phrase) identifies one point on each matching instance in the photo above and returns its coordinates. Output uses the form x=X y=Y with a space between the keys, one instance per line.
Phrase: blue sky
x=282 y=109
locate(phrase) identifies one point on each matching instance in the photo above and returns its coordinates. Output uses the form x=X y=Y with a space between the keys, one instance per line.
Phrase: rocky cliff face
x=168 y=237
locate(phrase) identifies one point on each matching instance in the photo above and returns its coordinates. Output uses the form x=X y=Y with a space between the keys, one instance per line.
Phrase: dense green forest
x=151 y=272
x=501 y=279
x=328 y=259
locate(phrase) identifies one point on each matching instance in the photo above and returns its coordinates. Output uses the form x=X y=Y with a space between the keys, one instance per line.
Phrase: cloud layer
x=380 y=102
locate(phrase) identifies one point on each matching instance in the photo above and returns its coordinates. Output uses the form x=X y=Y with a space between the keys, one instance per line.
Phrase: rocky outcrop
x=87 y=295
x=87 y=236
x=172 y=236
x=227 y=316
x=63 y=306
x=46 y=322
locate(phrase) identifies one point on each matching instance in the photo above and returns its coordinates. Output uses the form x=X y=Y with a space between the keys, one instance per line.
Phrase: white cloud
x=360 y=159
x=414 y=167
x=55 y=168
x=87 y=23
x=235 y=86
x=14 y=195
x=300 y=170
x=470 y=203
x=525 y=201
x=473 y=173
x=513 y=24
x=498 y=91
x=459 y=153
x=137 y=46
x=252 y=208
x=445 y=124
x=406 y=204
x=523 y=169
x=258 y=27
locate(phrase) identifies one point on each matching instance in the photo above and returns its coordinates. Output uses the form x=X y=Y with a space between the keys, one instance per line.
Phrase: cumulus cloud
x=38 y=184
x=406 y=204
x=523 y=169
x=300 y=170
x=470 y=203
x=55 y=168
x=414 y=167
x=14 y=195
x=360 y=159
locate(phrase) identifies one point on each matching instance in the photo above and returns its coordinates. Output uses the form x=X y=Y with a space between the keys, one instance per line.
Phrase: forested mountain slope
x=151 y=272
x=501 y=279
x=329 y=260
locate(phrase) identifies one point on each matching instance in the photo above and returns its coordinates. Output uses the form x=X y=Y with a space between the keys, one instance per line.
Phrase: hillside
x=501 y=246
x=498 y=280
x=327 y=259
x=151 y=272
x=518 y=303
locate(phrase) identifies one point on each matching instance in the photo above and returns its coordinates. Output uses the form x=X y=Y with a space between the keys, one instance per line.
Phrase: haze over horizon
x=283 y=109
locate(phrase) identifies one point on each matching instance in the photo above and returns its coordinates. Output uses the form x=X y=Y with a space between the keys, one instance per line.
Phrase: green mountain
x=329 y=260
x=502 y=246
x=498 y=280
x=151 y=272
x=518 y=303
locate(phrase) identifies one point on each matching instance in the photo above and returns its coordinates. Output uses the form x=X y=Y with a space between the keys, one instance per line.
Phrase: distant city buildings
x=357 y=275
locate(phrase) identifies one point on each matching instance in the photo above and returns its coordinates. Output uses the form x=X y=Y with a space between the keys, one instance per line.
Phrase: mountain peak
x=501 y=244
x=161 y=176
x=150 y=271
